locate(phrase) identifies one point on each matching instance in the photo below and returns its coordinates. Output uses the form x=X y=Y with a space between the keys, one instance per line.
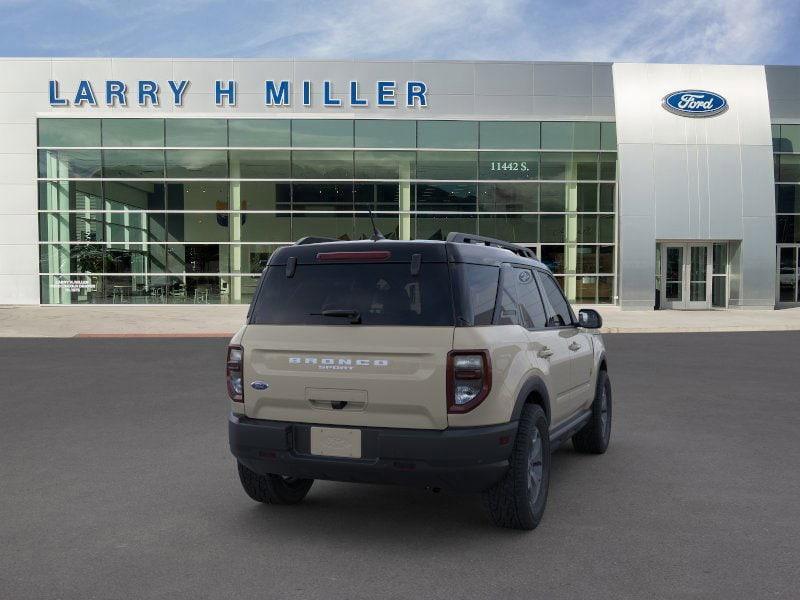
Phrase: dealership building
x=151 y=181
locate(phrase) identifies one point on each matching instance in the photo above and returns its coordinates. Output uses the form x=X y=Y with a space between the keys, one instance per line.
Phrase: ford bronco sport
x=454 y=364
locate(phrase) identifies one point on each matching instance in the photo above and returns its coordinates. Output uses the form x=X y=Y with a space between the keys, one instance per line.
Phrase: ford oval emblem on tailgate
x=259 y=385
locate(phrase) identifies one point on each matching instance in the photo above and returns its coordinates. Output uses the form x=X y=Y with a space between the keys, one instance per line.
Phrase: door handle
x=545 y=352
x=574 y=346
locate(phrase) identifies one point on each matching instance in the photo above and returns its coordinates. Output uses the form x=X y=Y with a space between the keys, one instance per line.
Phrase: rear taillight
x=469 y=379
x=233 y=373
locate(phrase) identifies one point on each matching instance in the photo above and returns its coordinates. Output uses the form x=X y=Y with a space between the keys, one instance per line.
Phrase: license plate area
x=336 y=441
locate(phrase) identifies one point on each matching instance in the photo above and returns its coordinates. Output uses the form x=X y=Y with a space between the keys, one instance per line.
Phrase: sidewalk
x=223 y=320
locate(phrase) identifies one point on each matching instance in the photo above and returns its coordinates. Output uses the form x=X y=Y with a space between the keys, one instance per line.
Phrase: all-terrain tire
x=596 y=434
x=273 y=489
x=518 y=501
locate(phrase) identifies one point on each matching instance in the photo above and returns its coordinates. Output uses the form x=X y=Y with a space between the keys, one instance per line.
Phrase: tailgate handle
x=338 y=405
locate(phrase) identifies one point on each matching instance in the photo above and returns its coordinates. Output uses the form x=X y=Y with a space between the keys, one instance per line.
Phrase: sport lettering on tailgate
x=325 y=363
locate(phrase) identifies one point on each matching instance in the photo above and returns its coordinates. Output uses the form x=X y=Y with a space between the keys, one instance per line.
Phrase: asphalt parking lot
x=116 y=482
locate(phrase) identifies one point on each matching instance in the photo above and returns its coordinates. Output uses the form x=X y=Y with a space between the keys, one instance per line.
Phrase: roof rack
x=311 y=239
x=469 y=238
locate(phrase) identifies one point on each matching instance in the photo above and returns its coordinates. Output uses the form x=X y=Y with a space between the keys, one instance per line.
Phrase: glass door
x=787 y=274
x=686 y=275
x=672 y=277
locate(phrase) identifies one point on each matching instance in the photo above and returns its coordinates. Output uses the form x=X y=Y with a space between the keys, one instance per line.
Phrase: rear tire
x=273 y=489
x=596 y=434
x=518 y=500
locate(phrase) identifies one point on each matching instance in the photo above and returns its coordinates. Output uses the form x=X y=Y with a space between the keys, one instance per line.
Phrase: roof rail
x=469 y=238
x=311 y=239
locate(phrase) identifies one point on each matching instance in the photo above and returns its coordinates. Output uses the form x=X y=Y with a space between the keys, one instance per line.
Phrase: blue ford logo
x=259 y=385
x=695 y=103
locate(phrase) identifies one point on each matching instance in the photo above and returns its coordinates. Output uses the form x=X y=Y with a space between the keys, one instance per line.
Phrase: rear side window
x=530 y=301
x=550 y=288
x=381 y=294
x=476 y=292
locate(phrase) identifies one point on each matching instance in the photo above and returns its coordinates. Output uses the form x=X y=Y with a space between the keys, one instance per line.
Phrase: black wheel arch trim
x=536 y=385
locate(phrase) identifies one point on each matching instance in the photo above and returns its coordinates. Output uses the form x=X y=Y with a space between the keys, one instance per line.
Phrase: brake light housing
x=234 y=373
x=369 y=255
x=469 y=379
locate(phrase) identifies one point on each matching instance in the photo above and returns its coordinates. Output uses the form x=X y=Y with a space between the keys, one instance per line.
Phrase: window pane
x=557 y=135
x=790 y=138
x=517 y=228
x=62 y=164
x=509 y=197
x=254 y=257
x=248 y=133
x=559 y=304
x=587 y=197
x=587 y=259
x=556 y=165
x=606 y=259
x=608 y=136
x=605 y=228
x=447 y=165
x=387 y=223
x=787 y=198
x=789 y=170
x=439 y=226
x=532 y=312
x=133 y=195
x=197 y=164
x=787 y=263
x=197 y=132
x=263 y=195
x=446 y=197
x=198 y=258
x=199 y=227
x=266 y=227
x=585 y=166
x=552 y=228
x=198 y=195
x=385 y=165
x=69 y=132
x=508 y=310
x=586 y=289
x=608 y=166
x=553 y=257
x=132 y=164
x=70 y=195
x=720 y=263
x=380 y=133
x=587 y=136
x=587 y=229
x=447 y=134
x=606 y=197
x=322 y=164
x=605 y=290
x=381 y=196
x=553 y=197
x=788 y=229
x=71 y=227
x=509 y=165
x=509 y=134
x=477 y=286
x=260 y=164
x=322 y=133
x=322 y=196
x=338 y=225
x=133 y=132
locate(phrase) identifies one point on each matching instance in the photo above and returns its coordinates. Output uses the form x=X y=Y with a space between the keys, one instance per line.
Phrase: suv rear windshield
x=379 y=294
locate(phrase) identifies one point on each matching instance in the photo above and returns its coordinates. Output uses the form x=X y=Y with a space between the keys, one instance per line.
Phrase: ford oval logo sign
x=695 y=103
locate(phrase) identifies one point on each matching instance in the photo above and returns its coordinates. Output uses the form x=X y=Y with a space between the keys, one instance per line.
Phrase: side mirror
x=589 y=318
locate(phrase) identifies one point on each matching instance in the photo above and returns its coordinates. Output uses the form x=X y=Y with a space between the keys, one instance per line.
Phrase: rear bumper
x=464 y=459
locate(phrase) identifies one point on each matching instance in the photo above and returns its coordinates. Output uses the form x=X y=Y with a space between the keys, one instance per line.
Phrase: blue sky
x=711 y=31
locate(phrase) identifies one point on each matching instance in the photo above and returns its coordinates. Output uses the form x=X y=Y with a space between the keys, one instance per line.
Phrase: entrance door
x=686 y=276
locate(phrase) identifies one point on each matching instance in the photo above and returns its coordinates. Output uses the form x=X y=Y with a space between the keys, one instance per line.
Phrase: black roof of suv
x=458 y=247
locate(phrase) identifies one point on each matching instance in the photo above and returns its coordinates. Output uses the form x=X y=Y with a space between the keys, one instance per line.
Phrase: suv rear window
x=381 y=294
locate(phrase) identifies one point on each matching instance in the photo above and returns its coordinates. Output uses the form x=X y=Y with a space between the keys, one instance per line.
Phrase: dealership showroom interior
x=138 y=181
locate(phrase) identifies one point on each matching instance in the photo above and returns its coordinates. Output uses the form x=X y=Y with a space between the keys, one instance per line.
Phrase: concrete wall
x=694 y=178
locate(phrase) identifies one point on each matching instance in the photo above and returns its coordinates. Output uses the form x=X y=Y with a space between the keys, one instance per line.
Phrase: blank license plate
x=335 y=441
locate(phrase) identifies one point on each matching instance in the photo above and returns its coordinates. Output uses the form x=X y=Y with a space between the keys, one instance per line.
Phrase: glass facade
x=786 y=148
x=189 y=210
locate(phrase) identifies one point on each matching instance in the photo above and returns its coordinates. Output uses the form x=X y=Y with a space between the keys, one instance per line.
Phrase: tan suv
x=454 y=364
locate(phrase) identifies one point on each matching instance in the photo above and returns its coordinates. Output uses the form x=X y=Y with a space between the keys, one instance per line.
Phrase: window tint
x=477 y=291
x=560 y=305
x=382 y=294
x=507 y=313
x=532 y=314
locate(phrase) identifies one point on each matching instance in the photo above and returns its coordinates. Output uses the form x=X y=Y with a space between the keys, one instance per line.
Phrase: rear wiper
x=353 y=315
